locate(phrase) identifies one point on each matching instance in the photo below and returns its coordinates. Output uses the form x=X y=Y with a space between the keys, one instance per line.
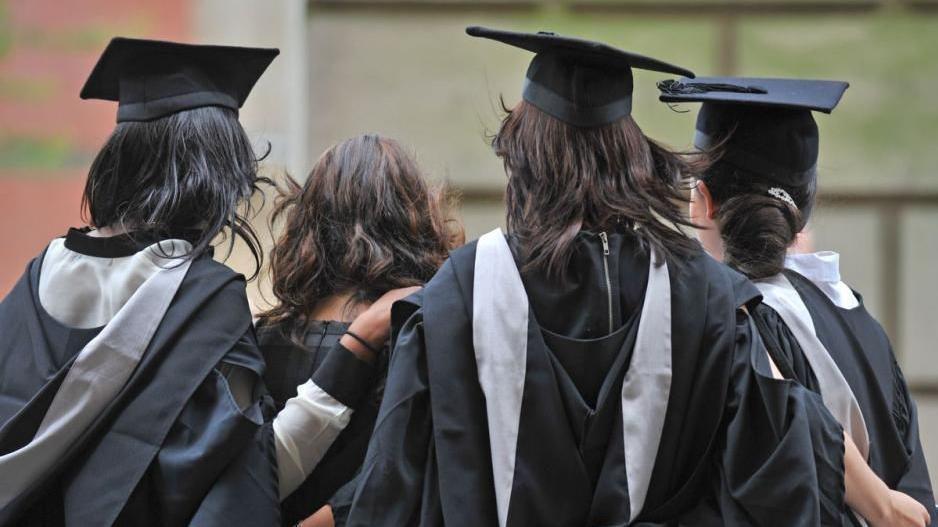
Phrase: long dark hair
x=365 y=222
x=756 y=227
x=190 y=172
x=563 y=179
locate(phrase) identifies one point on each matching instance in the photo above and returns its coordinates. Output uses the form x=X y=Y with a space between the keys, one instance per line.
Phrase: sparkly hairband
x=783 y=195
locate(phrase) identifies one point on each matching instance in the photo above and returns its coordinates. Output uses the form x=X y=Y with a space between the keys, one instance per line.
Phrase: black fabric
x=586 y=363
x=120 y=245
x=778 y=436
x=582 y=286
x=343 y=376
x=290 y=364
x=585 y=347
x=765 y=128
x=172 y=446
x=783 y=348
x=341 y=502
x=768 y=144
x=152 y=79
x=429 y=462
x=564 y=106
x=862 y=352
x=580 y=82
x=792 y=94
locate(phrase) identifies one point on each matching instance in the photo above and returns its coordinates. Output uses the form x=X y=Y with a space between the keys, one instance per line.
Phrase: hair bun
x=757 y=230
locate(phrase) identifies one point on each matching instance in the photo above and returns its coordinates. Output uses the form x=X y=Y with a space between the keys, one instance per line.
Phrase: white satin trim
x=82 y=291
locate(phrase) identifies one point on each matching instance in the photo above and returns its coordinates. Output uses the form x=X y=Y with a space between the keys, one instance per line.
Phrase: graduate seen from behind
x=130 y=377
x=753 y=201
x=593 y=366
x=365 y=222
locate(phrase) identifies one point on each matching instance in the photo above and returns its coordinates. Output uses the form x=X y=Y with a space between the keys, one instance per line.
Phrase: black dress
x=861 y=350
x=737 y=448
x=290 y=365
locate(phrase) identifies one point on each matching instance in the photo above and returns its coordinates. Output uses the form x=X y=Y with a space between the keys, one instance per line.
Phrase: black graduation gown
x=290 y=365
x=736 y=448
x=173 y=448
x=860 y=348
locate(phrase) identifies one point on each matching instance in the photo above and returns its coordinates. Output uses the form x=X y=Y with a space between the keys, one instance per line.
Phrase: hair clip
x=782 y=194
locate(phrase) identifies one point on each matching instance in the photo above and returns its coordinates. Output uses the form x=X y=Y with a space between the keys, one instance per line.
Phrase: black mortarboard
x=580 y=82
x=766 y=126
x=153 y=78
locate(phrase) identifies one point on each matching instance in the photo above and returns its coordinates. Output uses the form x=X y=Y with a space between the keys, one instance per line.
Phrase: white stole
x=780 y=295
x=500 y=337
x=95 y=378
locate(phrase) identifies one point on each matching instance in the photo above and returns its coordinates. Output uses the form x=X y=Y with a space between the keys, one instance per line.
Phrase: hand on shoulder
x=373 y=326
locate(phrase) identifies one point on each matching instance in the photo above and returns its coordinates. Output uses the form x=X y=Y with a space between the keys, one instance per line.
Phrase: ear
x=707 y=199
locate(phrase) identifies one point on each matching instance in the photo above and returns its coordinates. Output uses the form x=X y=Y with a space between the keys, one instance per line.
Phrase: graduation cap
x=764 y=127
x=152 y=78
x=580 y=82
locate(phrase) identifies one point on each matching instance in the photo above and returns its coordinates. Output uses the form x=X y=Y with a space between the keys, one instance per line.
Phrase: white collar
x=823 y=269
x=823 y=266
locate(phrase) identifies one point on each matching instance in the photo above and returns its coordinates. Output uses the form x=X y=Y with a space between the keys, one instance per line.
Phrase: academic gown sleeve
x=399 y=464
x=915 y=481
x=782 y=459
x=216 y=465
x=341 y=501
x=787 y=354
x=783 y=347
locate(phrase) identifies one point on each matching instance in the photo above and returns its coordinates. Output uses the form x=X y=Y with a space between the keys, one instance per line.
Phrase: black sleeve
x=391 y=483
x=341 y=502
x=344 y=376
x=782 y=461
x=915 y=481
x=215 y=466
x=783 y=347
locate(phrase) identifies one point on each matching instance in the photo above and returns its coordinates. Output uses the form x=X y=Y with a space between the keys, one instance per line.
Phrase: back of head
x=575 y=158
x=763 y=138
x=563 y=179
x=185 y=174
x=758 y=219
x=364 y=222
x=763 y=179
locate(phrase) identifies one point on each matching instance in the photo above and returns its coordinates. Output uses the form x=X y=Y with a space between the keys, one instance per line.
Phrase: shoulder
x=210 y=276
x=463 y=258
x=701 y=274
x=271 y=333
x=772 y=328
x=206 y=267
x=456 y=272
x=450 y=288
x=213 y=291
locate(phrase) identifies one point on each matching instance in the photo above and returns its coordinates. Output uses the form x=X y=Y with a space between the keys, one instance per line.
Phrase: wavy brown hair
x=365 y=222
x=563 y=179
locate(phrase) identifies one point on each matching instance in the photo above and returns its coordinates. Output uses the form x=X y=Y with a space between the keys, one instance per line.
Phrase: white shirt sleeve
x=303 y=431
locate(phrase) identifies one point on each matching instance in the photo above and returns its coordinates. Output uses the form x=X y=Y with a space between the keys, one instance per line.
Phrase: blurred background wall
x=406 y=69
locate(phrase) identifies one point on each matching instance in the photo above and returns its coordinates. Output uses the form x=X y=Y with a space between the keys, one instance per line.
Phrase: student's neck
x=341 y=307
